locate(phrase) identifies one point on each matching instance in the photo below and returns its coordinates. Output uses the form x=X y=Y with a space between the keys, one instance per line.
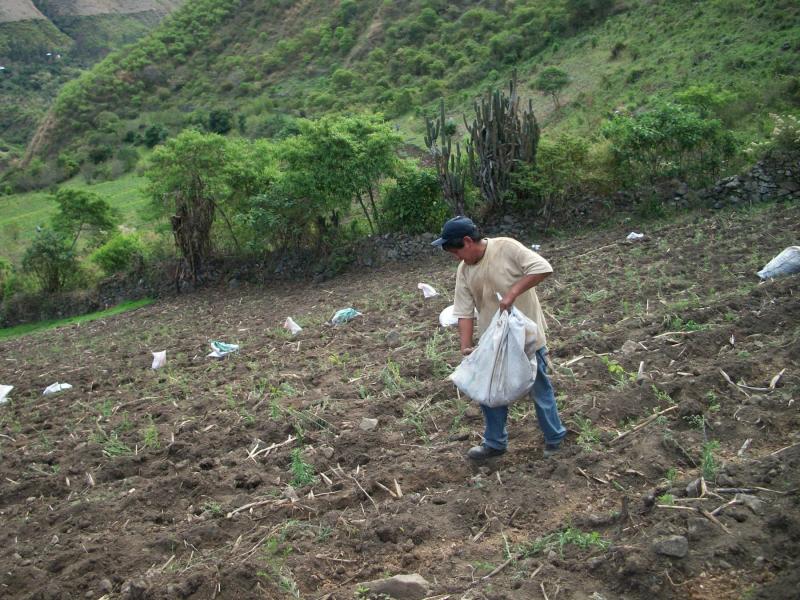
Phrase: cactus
x=499 y=140
x=449 y=166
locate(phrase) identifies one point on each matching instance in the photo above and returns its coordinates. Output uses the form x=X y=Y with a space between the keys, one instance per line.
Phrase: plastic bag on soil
x=447 y=319
x=4 y=391
x=786 y=263
x=344 y=315
x=159 y=359
x=502 y=368
x=427 y=291
x=293 y=327
x=634 y=237
x=55 y=388
x=220 y=349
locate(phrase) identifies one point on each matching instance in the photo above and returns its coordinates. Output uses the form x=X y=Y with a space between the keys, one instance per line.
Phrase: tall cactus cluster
x=499 y=140
x=449 y=167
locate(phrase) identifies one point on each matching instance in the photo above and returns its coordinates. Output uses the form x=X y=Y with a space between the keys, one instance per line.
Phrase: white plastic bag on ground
x=293 y=327
x=55 y=388
x=786 y=263
x=502 y=368
x=4 y=391
x=159 y=359
x=220 y=349
x=447 y=319
x=633 y=236
x=427 y=291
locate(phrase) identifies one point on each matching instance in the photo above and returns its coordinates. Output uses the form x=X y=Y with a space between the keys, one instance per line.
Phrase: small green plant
x=588 y=435
x=661 y=395
x=696 y=421
x=439 y=366
x=667 y=499
x=618 y=372
x=678 y=324
x=560 y=539
x=709 y=463
x=212 y=507
x=671 y=475
x=106 y=408
x=713 y=402
x=112 y=445
x=302 y=472
x=392 y=379
x=150 y=435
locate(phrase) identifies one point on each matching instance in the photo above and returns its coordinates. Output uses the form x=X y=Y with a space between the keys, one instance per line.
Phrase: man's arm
x=521 y=286
x=465 y=328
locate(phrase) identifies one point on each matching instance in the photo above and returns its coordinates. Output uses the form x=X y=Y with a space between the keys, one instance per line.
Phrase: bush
x=669 y=140
x=5 y=275
x=118 y=253
x=51 y=260
x=414 y=203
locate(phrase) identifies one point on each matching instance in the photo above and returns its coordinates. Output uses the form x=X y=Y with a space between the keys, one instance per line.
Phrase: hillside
x=302 y=467
x=269 y=61
x=44 y=43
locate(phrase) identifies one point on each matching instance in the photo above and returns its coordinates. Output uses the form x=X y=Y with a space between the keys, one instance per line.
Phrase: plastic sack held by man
x=488 y=267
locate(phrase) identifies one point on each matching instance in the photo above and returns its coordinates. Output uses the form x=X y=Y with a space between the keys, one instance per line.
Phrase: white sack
x=427 y=291
x=502 y=368
x=633 y=236
x=447 y=319
x=159 y=359
x=4 y=391
x=786 y=263
x=293 y=327
x=55 y=388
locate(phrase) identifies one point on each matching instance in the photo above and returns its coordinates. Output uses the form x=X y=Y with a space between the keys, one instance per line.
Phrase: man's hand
x=507 y=302
x=467 y=351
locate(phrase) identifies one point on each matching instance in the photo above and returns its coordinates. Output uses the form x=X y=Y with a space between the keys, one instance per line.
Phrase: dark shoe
x=551 y=450
x=484 y=452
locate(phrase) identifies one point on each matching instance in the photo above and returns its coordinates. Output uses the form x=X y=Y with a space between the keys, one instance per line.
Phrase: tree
x=51 y=260
x=194 y=176
x=551 y=81
x=220 y=121
x=82 y=211
x=338 y=160
x=154 y=135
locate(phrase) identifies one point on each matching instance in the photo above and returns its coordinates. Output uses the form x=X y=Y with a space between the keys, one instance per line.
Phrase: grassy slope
x=21 y=213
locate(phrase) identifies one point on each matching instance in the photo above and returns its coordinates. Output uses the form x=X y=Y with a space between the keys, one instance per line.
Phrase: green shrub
x=669 y=140
x=118 y=253
x=5 y=274
x=51 y=260
x=414 y=203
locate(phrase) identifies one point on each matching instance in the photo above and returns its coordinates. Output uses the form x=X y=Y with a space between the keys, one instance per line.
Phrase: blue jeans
x=495 y=434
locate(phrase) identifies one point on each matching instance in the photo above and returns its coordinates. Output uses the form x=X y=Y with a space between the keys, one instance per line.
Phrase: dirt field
x=260 y=475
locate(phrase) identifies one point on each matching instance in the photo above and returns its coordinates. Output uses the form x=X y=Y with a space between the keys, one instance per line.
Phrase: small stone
x=629 y=347
x=105 y=586
x=392 y=339
x=368 y=424
x=673 y=545
x=326 y=451
x=401 y=587
x=751 y=502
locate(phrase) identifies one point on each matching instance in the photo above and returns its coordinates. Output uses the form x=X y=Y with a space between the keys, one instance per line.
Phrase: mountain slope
x=263 y=59
x=45 y=43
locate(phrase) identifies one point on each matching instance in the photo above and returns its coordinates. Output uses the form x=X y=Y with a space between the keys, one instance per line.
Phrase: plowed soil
x=262 y=475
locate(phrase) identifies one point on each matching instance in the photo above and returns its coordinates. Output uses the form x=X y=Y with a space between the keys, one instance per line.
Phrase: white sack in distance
x=502 y=368
x=293 y=327
x=786 y=263
x=4 y=391
x=159 y=359
x=633 y=236
x=55 y=388
x=427 y=291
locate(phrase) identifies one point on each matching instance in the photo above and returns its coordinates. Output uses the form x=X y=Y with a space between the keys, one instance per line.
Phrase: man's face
x=471 y=252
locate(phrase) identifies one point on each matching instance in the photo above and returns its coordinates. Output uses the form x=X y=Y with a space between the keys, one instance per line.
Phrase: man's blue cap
x=455 y=230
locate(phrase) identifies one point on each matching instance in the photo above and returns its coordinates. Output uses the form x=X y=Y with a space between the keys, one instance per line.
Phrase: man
x=505 y=266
